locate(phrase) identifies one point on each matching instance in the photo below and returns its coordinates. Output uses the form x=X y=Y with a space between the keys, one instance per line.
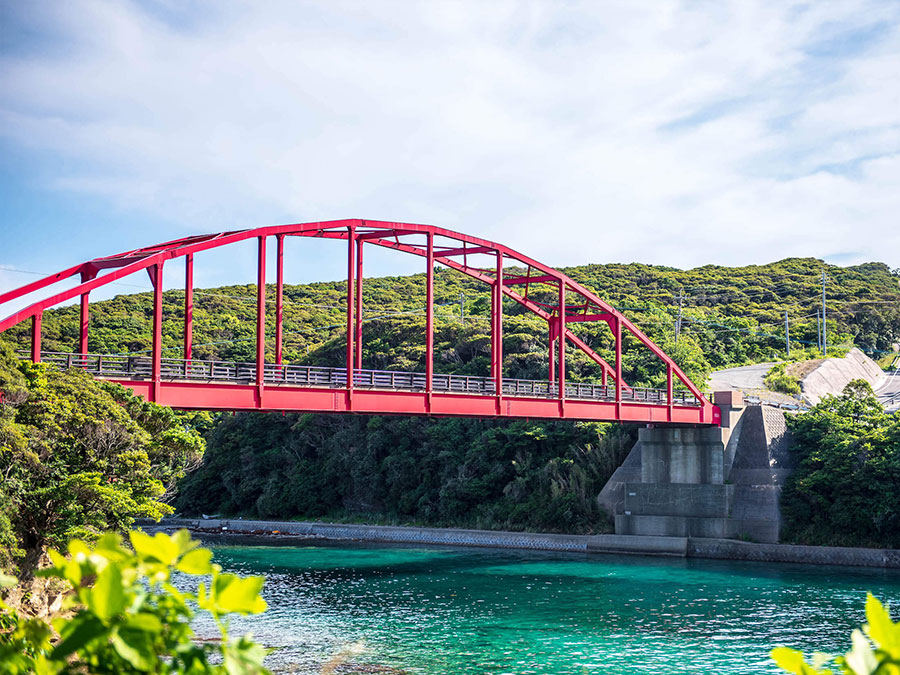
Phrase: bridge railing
x=140 y=367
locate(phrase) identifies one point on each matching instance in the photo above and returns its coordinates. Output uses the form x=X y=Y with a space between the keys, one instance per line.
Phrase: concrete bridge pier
x=704 y=481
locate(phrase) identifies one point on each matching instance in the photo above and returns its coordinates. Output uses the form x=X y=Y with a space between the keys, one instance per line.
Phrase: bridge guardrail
x=140 y=367
x=756 y=400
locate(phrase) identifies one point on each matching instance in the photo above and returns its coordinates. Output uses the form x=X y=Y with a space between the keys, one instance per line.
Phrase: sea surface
x=456 y=610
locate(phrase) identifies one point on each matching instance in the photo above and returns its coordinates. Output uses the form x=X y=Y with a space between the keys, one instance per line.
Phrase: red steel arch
x=371 y=393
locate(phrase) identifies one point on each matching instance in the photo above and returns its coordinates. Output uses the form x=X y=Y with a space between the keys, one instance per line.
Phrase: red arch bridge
x=277 y=386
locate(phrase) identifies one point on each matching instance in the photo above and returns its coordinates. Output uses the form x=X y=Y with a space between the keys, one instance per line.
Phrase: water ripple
x=427 y=610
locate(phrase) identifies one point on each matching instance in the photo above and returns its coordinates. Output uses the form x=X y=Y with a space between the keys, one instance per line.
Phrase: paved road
x=745 y=377
x=889 y=392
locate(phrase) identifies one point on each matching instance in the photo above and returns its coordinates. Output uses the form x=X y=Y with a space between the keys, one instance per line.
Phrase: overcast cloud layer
x=662 y=132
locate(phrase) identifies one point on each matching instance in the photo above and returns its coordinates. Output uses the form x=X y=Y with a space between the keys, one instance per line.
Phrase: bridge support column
x=551 y=375
x=617 y=334
x=279 y=297
x=359 y=308
x=497 y=332
x=188 y=309
x=669 y=392
x=429 y=320
x=156 y=277
x=85 y=315
x=36 y=321
x=261 y=314
x=351 y=270
x=561 y=336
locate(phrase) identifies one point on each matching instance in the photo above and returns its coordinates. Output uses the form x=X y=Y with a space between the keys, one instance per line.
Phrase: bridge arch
x=263 y=386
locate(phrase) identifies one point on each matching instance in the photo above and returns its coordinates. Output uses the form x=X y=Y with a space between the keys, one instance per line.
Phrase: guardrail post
x=36 y=321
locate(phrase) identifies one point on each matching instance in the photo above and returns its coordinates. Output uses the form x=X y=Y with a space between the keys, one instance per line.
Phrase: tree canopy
x=844 y=488
x=79 y=456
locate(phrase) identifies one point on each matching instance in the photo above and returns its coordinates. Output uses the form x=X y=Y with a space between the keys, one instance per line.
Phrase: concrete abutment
x=705 y=482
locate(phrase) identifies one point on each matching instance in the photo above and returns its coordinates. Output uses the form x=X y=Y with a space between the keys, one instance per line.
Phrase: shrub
x=777 y=379
x=875 y=649
x=128 y=617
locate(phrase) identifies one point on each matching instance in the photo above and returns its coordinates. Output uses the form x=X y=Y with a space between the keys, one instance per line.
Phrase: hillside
x=469 y=472
x=731 y=316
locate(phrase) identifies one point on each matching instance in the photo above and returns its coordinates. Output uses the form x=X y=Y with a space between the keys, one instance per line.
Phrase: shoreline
x=682 y=547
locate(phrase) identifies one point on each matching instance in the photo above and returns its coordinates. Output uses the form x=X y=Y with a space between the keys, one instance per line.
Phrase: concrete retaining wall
x=602 y=543
x=713 y=482
x=833 y=374
x=388 y=533
x=816 y=555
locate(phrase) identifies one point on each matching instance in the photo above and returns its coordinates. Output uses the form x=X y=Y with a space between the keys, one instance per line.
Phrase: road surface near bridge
x=889 y=392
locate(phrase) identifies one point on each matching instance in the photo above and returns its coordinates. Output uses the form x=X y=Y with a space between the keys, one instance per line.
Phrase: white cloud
x=662 y=132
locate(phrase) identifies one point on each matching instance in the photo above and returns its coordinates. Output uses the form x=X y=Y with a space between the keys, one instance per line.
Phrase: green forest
x=464 y=472
x=730 y=316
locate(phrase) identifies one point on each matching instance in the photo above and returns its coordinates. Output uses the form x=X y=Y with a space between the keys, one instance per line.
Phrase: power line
x=771 y=335
x=43 y=274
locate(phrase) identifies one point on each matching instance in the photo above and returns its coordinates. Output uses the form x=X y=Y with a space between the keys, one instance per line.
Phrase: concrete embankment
x=685 y=547
x=832 y=375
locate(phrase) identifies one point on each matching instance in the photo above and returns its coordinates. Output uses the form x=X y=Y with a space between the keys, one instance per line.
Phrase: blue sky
x=662 y=132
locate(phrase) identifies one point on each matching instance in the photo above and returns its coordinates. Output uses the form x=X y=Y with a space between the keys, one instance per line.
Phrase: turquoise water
x=438 y=610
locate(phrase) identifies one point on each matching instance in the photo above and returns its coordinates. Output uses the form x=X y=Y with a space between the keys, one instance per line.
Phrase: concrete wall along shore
x=685 y=547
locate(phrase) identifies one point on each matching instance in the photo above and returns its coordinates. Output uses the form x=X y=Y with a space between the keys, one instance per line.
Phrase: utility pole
x=787 y=335
x=678 y=321
x=824 y=327
x=462 y=310
x=818 y=329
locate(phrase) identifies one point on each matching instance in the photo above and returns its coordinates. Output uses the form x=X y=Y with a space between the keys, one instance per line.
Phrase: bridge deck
x=511 y=278
x=230 y=385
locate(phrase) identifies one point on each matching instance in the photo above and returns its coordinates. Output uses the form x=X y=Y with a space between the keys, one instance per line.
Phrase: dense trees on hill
x=730 y=316
x=843 y=491
x=467 y=472
x=450 y=472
